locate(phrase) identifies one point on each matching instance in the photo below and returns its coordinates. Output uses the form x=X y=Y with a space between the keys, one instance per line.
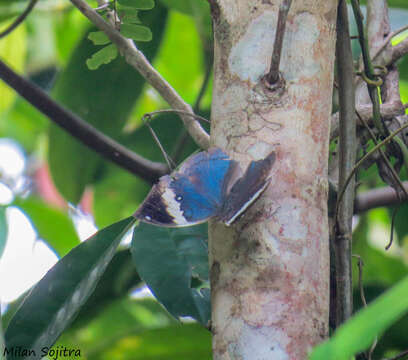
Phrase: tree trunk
x=270 y=271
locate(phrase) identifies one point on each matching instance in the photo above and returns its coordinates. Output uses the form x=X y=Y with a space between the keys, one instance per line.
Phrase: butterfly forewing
x=191 y=195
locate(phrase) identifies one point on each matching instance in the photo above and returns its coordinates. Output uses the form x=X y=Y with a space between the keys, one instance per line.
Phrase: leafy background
x=62 y=179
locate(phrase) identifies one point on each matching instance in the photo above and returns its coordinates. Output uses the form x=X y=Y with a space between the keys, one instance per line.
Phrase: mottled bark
x=270 y=271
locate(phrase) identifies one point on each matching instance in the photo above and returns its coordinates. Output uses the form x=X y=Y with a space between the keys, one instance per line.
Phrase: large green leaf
x=166 y=259
x=394 y=339
x=361 y=330
x=184 y=6
x=3 y=229
x=13 y=51
x=53 y=225
x=179 y=342
x=138 y=329
x=53 y=303
x=185 y=72
x=104 y=98
x=118 y=279
x=65 y=38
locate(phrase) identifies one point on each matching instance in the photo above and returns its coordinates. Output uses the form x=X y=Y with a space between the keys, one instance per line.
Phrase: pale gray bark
x=270 y=271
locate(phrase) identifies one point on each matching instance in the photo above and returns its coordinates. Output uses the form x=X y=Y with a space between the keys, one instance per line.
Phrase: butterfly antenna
x=146 y=119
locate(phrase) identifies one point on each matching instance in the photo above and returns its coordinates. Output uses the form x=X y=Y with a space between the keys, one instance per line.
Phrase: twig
x=273 y=75
x=360 y=265
x=364 y=158
x=384 y=157
x=135 y=58
x=156 y=112
x=371 y=199
x=399 y=356
x=369 y=75
x=398 y=51
x=81 y=130
x=387 y=41
x=394 y=214
x=19 y=19
x=388 y=111
x=347 y=149
x=146 y=119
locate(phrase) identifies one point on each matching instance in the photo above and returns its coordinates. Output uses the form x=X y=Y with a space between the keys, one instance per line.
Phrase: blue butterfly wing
x=191 y=195
x=209 y=172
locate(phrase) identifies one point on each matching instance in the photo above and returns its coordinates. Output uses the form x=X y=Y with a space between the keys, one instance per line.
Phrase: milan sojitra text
x=58 y=352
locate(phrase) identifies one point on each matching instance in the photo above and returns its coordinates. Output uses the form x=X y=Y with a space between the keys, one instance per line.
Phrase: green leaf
x=183 y=6
x=178 y=342
x=138 y=329
x=3 y=229
x=105 y=98
x=395 y=337
x=138 y=4
x=116 y=282
x=360 y=331
x=103 y=56
x=136 y=32
x=184 y=73
x=13 y=50
x=166 y=260
x=53 y=303
x=129 y=15
x=98 y=38
x=52 y=225
x=66 y=39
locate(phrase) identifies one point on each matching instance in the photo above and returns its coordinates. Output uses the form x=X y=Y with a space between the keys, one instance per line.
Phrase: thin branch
x=400 y=356
x=19 y=19
x=364 y=158
x=81 y=130
x=380 y=197
x=368 y=73
x=384 y=157
x=387 y=41
x=135 y=58
x=347 y=149
x=393 y=217
x=273 y=75
x=399 y=50
x=387 y=110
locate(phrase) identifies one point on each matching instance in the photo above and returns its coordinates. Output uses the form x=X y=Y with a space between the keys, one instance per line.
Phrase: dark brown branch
x=81 y=130
x=371 y=199
x=347 y=148
x=273 y=75
x=19 y=19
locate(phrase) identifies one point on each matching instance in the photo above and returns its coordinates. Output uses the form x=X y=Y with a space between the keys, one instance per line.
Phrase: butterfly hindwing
x=247 y=189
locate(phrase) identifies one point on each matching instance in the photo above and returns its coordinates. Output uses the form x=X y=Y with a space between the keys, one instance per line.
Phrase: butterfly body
x=205 y=187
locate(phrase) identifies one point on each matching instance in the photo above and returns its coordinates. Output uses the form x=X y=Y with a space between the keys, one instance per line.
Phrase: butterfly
x=207 y=185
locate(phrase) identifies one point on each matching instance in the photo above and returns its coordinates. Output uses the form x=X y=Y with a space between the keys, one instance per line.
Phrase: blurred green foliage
x=52 y=48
